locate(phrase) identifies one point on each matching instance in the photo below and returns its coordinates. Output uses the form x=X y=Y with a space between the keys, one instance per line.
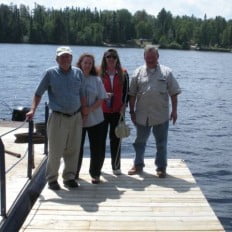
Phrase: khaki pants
x=64 y=138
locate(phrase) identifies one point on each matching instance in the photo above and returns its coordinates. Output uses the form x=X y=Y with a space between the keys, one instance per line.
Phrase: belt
x=68 y=115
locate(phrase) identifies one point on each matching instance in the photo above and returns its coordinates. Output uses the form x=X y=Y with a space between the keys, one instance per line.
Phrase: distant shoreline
x=138 y=45
x=143 y=44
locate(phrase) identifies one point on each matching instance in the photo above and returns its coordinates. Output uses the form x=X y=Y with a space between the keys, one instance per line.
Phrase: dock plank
x=126 y=203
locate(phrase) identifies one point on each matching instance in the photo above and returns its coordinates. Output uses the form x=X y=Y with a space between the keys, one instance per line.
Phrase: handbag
x=122 y=130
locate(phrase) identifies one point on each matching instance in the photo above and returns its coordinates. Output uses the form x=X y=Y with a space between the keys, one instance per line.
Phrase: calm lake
x=203 y=133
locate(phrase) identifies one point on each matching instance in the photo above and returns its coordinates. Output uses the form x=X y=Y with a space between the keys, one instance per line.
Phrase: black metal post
x=46 y=136
x=30 y=149
x=3 y=179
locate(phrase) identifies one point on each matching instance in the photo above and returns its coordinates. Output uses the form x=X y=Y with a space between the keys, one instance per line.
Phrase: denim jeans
x=160 y=133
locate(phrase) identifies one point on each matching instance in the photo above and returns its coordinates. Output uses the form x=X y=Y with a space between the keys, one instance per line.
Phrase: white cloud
x=198 y=8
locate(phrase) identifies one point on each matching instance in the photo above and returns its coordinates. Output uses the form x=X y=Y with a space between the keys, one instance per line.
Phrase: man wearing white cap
x=64 y=84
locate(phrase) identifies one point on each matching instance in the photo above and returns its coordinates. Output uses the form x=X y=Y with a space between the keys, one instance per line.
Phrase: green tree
x=24 y=13
x=165 y=24
x=37 y=22
x=184 y=29
x=144 y=25
x=227 y=36
x=124 y=19
x=143 y=30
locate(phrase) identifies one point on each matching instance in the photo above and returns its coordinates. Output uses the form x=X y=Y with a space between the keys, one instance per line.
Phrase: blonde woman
x=93 y=120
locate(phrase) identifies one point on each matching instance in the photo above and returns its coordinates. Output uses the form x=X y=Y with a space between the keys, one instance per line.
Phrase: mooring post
x=3 y=179
x=46 y=136
x=30 y=149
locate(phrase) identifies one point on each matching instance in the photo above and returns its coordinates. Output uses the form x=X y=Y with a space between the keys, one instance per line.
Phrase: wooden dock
x=126 y=203
x=16 y=168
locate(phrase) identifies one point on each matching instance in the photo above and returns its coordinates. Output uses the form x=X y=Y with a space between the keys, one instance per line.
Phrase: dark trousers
x=97 y=149
x=111 y=121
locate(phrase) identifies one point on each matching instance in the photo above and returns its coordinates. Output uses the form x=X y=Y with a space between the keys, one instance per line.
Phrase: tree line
x=85 y=27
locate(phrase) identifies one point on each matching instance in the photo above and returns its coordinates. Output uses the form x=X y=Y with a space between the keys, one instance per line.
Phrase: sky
x=198 y=8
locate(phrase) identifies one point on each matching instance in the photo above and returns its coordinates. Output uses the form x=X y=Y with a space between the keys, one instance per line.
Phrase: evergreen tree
x=86 y=27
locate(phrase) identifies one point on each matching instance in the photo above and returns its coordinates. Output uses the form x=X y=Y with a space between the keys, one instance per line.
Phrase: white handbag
x=122 y=130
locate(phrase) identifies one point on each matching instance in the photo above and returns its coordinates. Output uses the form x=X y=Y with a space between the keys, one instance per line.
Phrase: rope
x=6 y=133
x=9 y=169
x=5 y=104
x=117 y=159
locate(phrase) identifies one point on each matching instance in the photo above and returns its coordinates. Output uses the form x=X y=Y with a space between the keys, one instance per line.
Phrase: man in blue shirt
x=64 y=85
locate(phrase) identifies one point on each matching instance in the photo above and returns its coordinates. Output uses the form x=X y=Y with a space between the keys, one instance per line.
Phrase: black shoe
x=70 y=183
x=135 y=170
x=161 y=173
x=54 y=185
x=96 y=180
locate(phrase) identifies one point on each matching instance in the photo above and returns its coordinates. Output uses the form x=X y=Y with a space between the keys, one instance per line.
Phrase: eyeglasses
x=111 y=56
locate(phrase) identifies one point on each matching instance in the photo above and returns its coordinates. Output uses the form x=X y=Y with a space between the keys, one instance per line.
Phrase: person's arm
x=132 y=100
x=35 y=102
x=173 y=116
x=84 y=108
x=125 y=97
x=95 y=105
x=43 y=86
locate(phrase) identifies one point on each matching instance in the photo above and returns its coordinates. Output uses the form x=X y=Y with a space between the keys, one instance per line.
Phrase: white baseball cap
x=63 y=50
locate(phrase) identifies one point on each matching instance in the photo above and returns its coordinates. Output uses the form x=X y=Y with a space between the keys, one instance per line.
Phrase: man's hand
x=30 y=114
x=35 y=103
x=173 y=117
x=133 y=117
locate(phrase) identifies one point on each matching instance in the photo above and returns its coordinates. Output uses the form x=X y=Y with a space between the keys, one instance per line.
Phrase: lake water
x=203 y=133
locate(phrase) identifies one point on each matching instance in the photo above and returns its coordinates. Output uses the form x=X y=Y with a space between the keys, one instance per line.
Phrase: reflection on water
x=203 y=133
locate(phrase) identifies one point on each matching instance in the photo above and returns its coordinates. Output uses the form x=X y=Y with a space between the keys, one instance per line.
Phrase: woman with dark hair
x=93 y=118
x=116 y=82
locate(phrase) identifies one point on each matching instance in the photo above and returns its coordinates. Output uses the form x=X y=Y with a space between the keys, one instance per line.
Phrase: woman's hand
x=109 y=95
x=123 y=109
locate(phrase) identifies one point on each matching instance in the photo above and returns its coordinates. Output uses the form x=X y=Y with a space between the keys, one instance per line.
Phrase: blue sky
x=198 y=8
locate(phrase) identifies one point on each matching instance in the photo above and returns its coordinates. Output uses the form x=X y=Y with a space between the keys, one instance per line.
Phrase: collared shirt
x=152 y=88
x=94 y=90
x=64 y=89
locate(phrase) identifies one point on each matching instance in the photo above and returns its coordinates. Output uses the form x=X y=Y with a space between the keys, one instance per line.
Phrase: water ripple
x=203 y=133
x=218 y=173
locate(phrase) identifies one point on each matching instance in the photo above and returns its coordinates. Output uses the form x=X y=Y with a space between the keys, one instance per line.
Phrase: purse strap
x=122 y=114
x=121 y=118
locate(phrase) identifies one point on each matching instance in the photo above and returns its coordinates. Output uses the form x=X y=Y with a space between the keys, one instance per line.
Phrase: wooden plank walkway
x=16 y=176
x=126 y=203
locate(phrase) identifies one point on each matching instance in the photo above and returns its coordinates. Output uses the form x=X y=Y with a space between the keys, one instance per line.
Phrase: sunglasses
x=111 y=56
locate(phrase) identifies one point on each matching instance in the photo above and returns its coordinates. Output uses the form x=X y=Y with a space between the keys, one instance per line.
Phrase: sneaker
x=135 y=170
x=70 y=183
x=161 y=173
x=54 y=185
x=96 y=180
x=117 y=172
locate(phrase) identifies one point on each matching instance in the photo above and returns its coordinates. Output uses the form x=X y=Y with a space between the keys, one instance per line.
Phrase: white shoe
x=117 y=172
